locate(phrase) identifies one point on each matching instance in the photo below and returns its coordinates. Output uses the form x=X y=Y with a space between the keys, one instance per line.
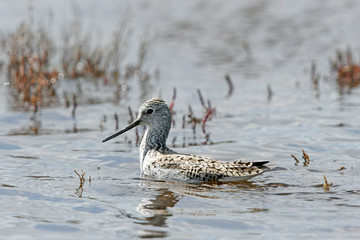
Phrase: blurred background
x=258 y=79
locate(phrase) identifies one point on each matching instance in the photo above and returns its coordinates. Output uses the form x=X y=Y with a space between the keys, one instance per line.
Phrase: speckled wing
x=200 y=168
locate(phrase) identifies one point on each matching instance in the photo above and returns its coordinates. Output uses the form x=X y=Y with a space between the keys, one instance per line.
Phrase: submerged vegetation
x=344 y=69
x=189 y=121
x=326 y=185
x=38 y=66
x=347 y=69
x=30 y=76
x=81 y=176
x=37 y=63
x=304 y=156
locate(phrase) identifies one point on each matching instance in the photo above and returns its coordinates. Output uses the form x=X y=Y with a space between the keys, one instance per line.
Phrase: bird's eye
x=149 y=111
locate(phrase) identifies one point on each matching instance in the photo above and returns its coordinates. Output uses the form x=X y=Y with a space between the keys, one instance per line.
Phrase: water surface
x=260 y=44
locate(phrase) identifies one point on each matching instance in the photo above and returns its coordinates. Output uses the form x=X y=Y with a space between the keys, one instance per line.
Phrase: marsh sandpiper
x=160 y=162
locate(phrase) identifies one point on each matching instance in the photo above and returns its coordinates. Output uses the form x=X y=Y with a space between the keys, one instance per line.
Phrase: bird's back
x=186 y=167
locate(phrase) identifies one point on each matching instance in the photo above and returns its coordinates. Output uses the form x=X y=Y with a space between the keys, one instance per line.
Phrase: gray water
x=195 y=43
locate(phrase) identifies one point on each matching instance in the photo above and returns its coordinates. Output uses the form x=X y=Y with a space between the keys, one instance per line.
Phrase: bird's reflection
x=156 y=210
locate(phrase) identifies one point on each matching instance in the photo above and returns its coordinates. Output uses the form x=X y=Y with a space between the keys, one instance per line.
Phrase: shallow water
x=259 y=43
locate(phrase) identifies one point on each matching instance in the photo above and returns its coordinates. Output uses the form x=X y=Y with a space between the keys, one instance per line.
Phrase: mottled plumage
x=160 y=162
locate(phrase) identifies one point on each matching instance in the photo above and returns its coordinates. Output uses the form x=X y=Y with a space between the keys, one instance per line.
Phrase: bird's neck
x=154 y=138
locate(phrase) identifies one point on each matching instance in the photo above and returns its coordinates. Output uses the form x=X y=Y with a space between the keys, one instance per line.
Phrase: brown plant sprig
x=327 y=185
x=80 y=189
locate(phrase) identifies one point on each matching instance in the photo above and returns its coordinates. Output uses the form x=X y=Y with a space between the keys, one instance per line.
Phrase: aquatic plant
x=315 y=78
x=347 y=69
x=230 y=85
x=296 y=160
x=80 y=189
x=304 y=156
x=269 y=92
x=171 y=107
x=30 y=77
x=326 y=185
x=80 y=57
x=36 y=62
x=188 y=120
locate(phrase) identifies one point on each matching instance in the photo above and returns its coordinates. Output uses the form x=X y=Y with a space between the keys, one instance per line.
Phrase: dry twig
x=306 y=158
x=296 y=160
x=80 y=189
x=230 y=84
x=326 y=185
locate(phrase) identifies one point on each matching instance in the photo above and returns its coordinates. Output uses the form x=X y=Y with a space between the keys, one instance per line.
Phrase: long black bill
x=131 y=125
